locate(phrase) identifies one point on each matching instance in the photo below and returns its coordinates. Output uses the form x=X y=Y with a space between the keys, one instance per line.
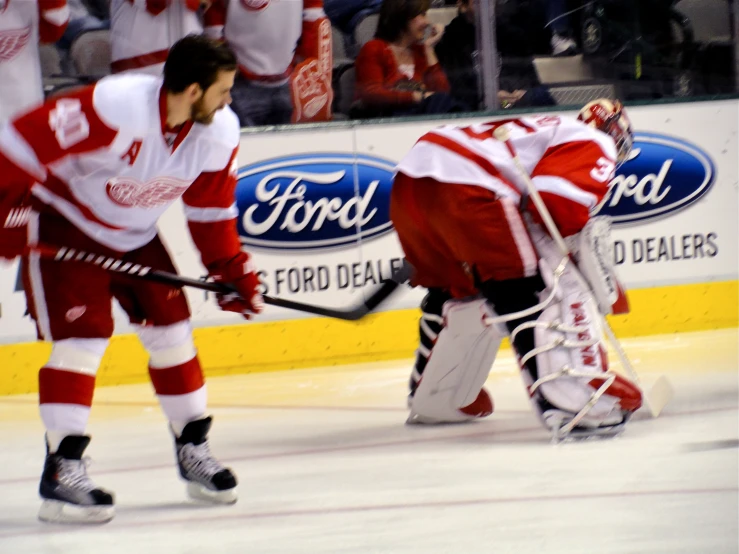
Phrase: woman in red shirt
x=397 y=73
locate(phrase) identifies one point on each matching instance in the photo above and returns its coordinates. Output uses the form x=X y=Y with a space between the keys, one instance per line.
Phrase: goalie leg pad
x=451 y=388
x=566 y=367
x=430 y=326
x=571 y=381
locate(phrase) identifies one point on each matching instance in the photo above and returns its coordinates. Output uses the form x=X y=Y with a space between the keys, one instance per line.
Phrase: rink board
x=249 y=348
x=313 y=208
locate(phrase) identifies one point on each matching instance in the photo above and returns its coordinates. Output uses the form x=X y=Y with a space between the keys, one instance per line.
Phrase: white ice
x=326 y=464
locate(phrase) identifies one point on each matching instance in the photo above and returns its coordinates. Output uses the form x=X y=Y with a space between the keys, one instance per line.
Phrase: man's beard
x=199 y=115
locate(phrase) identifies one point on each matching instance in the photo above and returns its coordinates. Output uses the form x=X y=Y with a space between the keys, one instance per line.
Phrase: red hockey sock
x=65 y=398
x=181 y=390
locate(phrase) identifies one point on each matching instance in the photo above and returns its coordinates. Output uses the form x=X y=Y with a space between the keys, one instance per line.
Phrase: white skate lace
x=72 y=474
x=199 y=462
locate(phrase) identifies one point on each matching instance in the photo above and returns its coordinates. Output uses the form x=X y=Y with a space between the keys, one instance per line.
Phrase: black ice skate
x=69 y=494
x=207 y=479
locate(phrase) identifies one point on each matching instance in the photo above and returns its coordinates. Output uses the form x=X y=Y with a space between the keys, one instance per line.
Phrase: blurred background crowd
x=321 y=60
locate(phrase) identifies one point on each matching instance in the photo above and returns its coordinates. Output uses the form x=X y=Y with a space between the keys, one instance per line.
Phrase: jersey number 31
x=603 y=170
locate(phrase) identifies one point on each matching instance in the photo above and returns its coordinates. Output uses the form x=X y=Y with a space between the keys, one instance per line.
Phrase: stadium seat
x=90 y=53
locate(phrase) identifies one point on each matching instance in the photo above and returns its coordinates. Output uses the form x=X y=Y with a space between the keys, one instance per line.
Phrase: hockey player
x=459 y=206
x=23 y=23
x=285 y=59
x=142 y=31
x=108 y=160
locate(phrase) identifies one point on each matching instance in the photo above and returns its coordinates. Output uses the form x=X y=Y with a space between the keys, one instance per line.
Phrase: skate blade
x=418 y=419
x=197 y=491
x=584 y=434
x=55 y=511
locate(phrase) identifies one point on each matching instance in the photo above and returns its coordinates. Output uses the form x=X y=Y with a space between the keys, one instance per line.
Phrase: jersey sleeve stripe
x=206 y=215
x=428 y=159
x=57 y=16
x=51 y=4
x=213 y=31
x=584 y=135
x=564 y=188
x=136 y=62
x=529 y=259
x=16 y=149
x=570 y=218
x=471 y=156
x=313 y=14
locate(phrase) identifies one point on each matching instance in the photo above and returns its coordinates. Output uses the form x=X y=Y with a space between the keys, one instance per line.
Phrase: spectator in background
x=98 y=8
x=397 y=72
x=23 y=24
x=562 y=44
x=284 y=51
x=142 y=31
x=84 y=16
x=521 y=28
x=345 y=15
x=518 y=82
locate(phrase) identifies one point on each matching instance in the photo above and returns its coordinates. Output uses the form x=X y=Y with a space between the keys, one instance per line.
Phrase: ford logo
x=662 y=175
x=314 y=201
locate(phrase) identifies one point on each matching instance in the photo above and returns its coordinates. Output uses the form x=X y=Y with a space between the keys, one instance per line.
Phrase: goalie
x=460 y=208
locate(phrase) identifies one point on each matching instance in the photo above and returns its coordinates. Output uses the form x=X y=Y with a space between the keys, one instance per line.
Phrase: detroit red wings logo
x=253 y=5
x=13 y=41
x=128 y=192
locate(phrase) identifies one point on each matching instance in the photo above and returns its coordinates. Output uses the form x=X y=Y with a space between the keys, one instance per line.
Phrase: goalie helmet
x=610 y=117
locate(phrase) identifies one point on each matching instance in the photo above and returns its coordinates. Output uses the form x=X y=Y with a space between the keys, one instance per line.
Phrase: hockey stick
x=386 y=288
x=662 y=392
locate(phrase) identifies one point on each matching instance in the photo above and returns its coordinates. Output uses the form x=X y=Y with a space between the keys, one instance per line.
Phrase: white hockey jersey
x=267 y=34
x=104 y=159
x=23 y=23
x=140 y=40
x=570 y=163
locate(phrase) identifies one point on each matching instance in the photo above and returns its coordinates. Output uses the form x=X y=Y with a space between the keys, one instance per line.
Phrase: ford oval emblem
x=314 y=201
x=662 y=175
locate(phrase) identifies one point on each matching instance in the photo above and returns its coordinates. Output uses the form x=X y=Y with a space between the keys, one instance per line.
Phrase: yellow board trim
x=257 y=347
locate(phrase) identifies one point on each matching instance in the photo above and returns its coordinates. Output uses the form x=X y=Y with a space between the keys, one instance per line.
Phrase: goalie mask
x=610 y=117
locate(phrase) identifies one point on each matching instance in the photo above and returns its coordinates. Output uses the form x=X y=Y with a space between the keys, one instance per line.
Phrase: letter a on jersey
x=133 y=152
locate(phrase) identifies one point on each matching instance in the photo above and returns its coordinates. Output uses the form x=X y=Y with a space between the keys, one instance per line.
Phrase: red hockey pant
x=452 y=232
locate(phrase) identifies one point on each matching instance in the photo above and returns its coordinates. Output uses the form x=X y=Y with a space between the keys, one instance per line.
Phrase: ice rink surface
x=326 y=464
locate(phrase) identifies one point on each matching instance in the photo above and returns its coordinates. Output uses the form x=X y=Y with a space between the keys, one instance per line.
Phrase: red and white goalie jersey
x=570 y=163
x=23 y=23
x=143 y=31
x=104 y=159
x=277 y=41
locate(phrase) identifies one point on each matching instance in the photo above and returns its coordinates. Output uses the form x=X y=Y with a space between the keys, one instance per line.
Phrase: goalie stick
x=386 y=288
x=662 y=392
